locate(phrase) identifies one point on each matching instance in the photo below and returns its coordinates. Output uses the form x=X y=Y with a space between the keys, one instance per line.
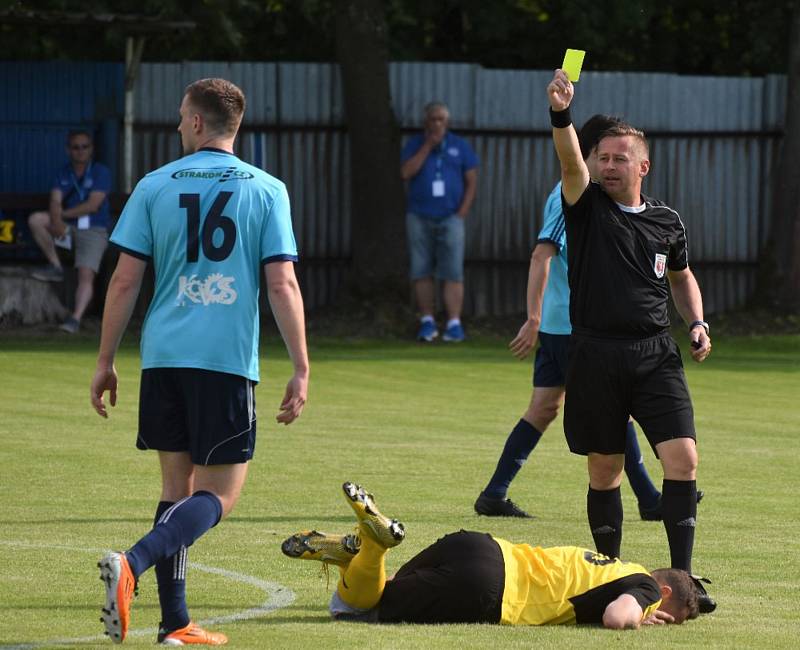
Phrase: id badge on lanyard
x=437 y=187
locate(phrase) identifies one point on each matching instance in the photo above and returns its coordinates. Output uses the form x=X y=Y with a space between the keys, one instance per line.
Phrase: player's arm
x=574 y=172
x=286 y=302
x=470 y=187
x=123 y=290
x=689 y=303
x=623 y=613
x=538 y=273
x=89 y=206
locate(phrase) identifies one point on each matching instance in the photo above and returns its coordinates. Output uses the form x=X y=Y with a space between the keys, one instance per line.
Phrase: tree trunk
x=785 y=235
x=378 y=225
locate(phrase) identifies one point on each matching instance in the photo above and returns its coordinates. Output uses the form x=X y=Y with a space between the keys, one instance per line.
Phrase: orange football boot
x=191 y=634
x=120 y=583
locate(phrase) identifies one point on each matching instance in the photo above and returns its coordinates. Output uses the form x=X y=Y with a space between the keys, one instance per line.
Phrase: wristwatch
x=700 y=323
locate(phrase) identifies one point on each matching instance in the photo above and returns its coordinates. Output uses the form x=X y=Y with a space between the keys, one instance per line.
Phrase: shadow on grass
x=110 y=520
x=289 y=620
x=148 y=521
x=311 y=517
x=84 y=608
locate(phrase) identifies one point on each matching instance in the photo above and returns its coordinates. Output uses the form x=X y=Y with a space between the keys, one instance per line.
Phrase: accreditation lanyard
x=440 y=158
x=79 y=186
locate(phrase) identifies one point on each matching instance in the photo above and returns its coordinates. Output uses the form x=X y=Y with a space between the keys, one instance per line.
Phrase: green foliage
x=684 y=36
x=246 y=30
x=715 y=37
x=420 y=426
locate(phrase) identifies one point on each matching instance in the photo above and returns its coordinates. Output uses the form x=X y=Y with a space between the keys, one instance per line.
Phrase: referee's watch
x=699 y=323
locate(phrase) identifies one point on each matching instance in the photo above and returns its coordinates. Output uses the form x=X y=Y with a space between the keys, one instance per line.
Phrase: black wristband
x=699 y=323
x=560 y=119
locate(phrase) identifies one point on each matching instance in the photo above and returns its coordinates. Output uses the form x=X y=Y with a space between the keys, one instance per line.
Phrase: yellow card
x=573 y=62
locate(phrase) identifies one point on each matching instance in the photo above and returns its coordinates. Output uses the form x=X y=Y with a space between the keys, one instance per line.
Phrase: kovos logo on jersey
x=222 y=174
x=215 y=289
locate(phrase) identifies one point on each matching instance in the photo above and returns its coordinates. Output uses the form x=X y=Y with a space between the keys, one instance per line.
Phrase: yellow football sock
x=361 y=584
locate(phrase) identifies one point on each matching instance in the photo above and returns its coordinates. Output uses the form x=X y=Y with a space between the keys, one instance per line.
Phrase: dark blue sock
x=179 y=526
x=171 y=578
x=519 y=445
x=646 y=493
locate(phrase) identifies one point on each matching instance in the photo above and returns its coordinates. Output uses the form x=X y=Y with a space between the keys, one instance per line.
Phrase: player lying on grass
x=469 y=577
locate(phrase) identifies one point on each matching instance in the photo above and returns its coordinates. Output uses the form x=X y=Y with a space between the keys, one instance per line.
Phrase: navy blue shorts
x=212 y=415
x=608 y=380
x=550 y=365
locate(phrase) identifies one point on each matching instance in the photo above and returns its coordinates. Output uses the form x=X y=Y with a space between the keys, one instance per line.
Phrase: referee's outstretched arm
x=574 y=173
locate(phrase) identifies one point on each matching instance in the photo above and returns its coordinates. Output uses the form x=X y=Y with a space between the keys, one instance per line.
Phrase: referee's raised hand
x=560 y=91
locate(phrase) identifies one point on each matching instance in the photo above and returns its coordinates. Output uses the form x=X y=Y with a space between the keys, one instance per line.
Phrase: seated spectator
x=77 y=216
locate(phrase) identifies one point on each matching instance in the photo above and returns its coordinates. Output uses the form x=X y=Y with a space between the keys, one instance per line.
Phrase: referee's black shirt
x=618 y=262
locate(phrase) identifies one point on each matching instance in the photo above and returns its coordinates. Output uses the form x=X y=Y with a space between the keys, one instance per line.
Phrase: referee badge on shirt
x=660 y=265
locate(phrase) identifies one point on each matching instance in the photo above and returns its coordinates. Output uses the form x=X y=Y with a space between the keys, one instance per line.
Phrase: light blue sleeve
x=133 y=231
x=553 y=229
x=277 y=237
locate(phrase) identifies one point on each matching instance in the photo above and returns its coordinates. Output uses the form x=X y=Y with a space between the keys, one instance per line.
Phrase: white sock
x=453 y=321
x=427 y=318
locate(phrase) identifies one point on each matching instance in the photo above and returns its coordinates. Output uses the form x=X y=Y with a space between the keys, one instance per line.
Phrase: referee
x=626 y=253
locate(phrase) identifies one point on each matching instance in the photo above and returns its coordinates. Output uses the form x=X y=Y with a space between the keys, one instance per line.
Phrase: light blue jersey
x=209 y=222
x=555 y=307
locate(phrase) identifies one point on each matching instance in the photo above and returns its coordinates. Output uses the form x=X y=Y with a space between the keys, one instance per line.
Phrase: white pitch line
x=278 y=597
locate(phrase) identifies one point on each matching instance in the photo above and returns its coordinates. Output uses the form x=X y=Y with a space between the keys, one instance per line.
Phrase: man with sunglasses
x=77 y=216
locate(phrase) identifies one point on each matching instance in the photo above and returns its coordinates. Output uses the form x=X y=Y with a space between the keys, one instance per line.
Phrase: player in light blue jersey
x=209 y=223
x=548 y=322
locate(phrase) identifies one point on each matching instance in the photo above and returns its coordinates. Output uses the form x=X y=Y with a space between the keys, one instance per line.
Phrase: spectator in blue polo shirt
x=442 y=174
x=77 y=216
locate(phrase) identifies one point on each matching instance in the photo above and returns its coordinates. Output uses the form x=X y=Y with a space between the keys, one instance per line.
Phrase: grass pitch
x=421 y=427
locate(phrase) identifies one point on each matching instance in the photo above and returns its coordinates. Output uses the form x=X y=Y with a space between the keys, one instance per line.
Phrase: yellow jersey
x=567 y=584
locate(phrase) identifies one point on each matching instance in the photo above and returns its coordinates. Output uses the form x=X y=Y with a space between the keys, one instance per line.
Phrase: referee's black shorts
x=458 y=579
x=610 y=379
